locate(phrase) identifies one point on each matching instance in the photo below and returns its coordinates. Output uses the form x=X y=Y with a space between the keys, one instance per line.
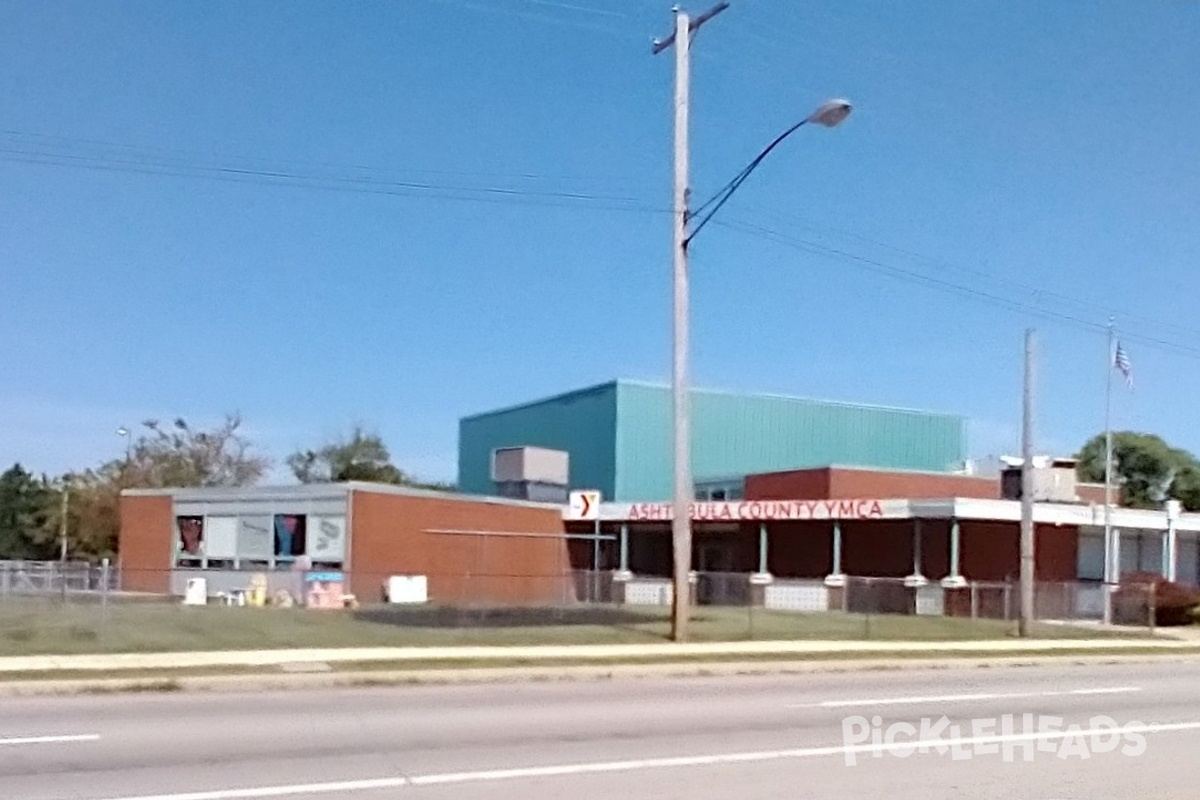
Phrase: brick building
x=796 y=534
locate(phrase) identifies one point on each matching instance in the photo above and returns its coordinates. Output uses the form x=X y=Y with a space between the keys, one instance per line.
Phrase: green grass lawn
x=28 y=628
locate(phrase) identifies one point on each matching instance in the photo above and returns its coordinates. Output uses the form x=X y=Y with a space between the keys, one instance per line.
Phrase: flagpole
x=1111 y=560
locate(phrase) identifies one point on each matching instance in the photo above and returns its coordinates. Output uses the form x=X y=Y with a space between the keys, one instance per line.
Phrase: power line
x=602 y=12
x=956 y=289
x=142 y=160
x=151 y=151
x=279 y=176
x=1036 y=291
x=548 y=19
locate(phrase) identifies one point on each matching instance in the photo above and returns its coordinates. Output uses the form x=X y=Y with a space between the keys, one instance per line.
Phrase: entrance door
x=715 y=584
x=715 y=557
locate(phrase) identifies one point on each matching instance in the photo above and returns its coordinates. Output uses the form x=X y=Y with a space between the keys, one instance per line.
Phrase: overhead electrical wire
x=1037 y=292
x=31 y=139
x=773 y=38
x=77 y=153
x=912 y=276
x=146 y=162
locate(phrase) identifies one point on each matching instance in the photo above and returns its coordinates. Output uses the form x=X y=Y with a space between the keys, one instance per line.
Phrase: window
x=258 y=542
x=190 y=541
x=719 y=491
x=290 y=535
x=1091 y=557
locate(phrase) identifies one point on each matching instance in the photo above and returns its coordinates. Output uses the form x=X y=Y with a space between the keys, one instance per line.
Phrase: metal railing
x=49 y=578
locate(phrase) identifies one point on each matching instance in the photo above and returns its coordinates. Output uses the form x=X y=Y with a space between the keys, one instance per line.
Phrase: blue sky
x=398 y=213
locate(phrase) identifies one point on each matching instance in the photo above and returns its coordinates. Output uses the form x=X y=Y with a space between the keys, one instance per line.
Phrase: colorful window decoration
x=191 y=535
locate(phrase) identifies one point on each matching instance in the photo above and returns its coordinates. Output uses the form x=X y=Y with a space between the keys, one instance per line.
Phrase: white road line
x=958 y=698
x=559 y=770
x=88 y=737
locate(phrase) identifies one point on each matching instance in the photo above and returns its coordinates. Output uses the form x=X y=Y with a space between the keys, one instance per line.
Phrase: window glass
x=1091 y=557
x=189 y=541
x=290 y=539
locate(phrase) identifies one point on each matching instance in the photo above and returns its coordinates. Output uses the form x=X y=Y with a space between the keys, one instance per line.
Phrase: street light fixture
x=827 y=115
x=127 y=435
x=830 y=114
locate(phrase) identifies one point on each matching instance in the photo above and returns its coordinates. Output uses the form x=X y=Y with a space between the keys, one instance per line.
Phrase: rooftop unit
x=531 y=473
x=1054 y=479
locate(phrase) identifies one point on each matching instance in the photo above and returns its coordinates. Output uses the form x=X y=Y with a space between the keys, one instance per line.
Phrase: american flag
x=1121 y=362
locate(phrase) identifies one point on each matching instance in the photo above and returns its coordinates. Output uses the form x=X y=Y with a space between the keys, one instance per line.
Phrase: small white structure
x=407 y=589
x=196 y=593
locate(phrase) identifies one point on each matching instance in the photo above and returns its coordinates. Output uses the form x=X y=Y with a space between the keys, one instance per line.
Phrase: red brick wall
x=145 y=543
x=1056 y=553
x=877 y=548
x=800 y=549
x=1094 y=493
x=991 y=551
x=802 y=484
x=830 y=483
x=869 y=483
x=388 y=537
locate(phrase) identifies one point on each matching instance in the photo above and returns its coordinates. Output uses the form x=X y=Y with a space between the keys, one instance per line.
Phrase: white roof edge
x=970 y=508
x=316 y=490
x=306 y=490
x=409 y=491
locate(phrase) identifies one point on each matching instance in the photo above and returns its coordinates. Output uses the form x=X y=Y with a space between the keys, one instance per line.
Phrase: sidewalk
x=658 y=651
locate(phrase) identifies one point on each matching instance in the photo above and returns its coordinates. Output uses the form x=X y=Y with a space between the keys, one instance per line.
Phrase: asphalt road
x=746 y=737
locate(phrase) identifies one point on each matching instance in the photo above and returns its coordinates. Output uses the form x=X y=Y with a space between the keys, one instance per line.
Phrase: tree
x=1185 y=487
x=164 y=456
x=93 y=515
x=1146 y=469
x=180 y=455
x=25 y=503
x=362 y=456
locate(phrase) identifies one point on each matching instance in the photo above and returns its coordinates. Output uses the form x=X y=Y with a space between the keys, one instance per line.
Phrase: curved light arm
x=828 y=114
x=728 y=189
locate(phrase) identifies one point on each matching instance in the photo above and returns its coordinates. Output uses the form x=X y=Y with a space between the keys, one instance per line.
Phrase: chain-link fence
x=87 y=608
x=63 y=578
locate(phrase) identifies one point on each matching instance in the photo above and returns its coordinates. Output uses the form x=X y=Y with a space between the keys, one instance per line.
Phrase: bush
x=1174 y=604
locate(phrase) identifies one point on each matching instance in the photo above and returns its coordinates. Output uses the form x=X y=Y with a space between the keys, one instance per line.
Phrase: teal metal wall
x=583 y=423
x=618 y=435
x=740 y=434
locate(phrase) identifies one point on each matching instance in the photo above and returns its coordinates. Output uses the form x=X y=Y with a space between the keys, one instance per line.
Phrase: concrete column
x=622 y=576
x=1116 y=556
x=624 y=564
x=1170 y=546
x=917 y=578
x=954 y=580
x=836 y=577
x=762 y=548
x=759 y=581
x=1164 y=552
